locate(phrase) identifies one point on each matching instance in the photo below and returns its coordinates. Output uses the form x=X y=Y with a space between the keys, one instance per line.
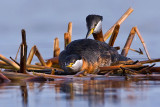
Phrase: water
x=115 y=92
x=45 y=20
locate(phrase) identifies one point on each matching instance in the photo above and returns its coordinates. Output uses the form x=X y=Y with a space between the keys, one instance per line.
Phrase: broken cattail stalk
x=29 y=67
x=125 y=15
x=118 y=67
x=149 y=61
x=128 y=42
x=155 y=69
x=47 y=71
x=34 y=50
x=23 y=56
x=15 y=66
x=128 y=69
x=31 y=54
x=14 y=61
x=70 y=28
x=56 y=49
x=144 y=45
x=146 y=68
x=6 y=67
x=2 y=62
x=114 y=35
x=49 y=63
x=136 y=62
x=40 y=57
x=17 y=52
x=49 y=76
x=140 y=51
x=67 y=39
x=52 y=61
x=37 y=67
x=16 y=76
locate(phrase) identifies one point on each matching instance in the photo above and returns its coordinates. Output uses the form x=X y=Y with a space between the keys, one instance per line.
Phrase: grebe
x=87 y=55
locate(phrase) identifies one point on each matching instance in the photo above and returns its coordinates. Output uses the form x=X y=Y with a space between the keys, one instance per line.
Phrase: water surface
x=113 y=91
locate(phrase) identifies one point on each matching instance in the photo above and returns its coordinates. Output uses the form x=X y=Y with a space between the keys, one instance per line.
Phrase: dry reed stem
x=155 y=69
x=34 y=51
x=67 y=39
x=146 y=68
x=16 y=76
x=128 y=42
x=149 y=61
x=5 y=65
x=118 y=67
x=56 y=50
x=137 y=62
x=128 y=69
x=114 y=35
x=23 y=55
x=40 y=57
x=13 y=64
x=140 y=51
x=31 y=54
x=14 y=61
x=49 y=63
x=124 y=16
x=144 y=45
x=38 y=67
x=17 y=52
x=29 y=66
x=52 y=61
x=49 y=76
x=2 y=62
x=70 y=28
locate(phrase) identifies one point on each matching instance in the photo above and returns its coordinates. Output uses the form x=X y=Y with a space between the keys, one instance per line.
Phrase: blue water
x=44 y=20
x=87 y=93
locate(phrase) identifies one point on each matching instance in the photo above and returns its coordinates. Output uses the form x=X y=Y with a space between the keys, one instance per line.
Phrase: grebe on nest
x=87 y=54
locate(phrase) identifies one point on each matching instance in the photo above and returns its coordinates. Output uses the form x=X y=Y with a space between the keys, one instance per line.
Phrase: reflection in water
x=96 y=92
x=88 y=93
x=24 y=94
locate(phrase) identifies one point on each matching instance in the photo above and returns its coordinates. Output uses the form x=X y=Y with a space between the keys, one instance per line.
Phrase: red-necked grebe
x=88 y=54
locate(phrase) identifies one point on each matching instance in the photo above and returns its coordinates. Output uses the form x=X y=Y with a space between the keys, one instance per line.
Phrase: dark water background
x=44 y=20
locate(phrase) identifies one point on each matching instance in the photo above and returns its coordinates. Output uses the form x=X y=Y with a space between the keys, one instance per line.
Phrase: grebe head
x=74 y=62
x=94 y=24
